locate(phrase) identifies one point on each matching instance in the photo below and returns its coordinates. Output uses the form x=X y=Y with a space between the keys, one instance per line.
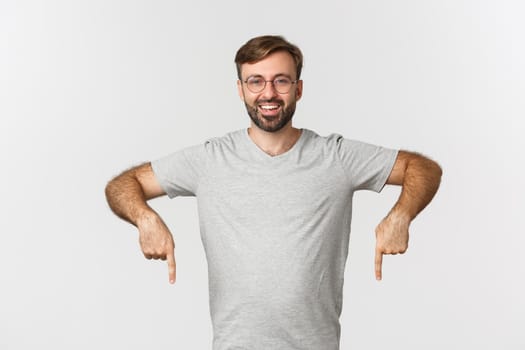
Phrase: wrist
x=400 y=215
x=144 y=216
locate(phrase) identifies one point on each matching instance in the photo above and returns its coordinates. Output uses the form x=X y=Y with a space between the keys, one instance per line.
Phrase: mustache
x=272 y=100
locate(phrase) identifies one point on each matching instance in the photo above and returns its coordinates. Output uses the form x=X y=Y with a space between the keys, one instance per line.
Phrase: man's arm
x=127 y=195
x=420 y=178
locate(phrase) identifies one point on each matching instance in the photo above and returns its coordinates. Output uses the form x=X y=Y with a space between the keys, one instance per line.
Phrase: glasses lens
x=255 y=84
x=282 y=85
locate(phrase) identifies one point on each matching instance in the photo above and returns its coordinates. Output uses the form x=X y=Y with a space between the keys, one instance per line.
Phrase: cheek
x=290 y=101
x=250 y=99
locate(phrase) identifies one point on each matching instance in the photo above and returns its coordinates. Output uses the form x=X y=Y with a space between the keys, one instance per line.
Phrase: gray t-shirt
x=275 y=231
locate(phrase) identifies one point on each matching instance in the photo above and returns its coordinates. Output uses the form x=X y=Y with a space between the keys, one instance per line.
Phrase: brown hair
x=260 y=47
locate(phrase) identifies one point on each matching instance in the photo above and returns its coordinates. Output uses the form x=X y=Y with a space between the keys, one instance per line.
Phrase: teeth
x=269 y=107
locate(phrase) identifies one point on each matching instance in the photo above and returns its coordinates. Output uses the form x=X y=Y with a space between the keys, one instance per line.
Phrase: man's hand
x=156 y=242
x=419 y=178
x=391 y=238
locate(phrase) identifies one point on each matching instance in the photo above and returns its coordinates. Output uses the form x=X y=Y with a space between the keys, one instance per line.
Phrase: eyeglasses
x=257 y=84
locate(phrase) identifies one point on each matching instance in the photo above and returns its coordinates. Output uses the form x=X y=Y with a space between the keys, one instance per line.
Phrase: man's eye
x=255 y=81
x=282 y=81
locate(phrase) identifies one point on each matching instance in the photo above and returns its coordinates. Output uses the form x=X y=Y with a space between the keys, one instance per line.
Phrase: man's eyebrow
x=278 y=75
x=254 y=76
x=282 y=75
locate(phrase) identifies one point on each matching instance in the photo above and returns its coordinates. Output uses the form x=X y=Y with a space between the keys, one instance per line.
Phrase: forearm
x=126 y=197
x=420 y=183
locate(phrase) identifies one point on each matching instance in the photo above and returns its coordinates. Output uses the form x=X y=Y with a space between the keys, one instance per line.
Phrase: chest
x=280 y=192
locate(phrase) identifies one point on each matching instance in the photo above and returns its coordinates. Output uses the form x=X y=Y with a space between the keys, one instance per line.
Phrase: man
x=275 y=205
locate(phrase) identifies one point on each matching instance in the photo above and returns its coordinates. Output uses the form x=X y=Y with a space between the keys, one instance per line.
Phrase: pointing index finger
x=378 y=264
x=171 y=267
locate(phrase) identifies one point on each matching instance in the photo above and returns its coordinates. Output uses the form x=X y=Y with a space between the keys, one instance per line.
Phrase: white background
x=89 y=88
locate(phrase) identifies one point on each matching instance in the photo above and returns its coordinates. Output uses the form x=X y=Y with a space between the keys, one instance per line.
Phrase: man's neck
x=274 y=143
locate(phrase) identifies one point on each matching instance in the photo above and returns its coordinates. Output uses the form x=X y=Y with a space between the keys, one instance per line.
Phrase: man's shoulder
x=231 y=141
x=334 y=139
x=328 y=140
x=228 y=138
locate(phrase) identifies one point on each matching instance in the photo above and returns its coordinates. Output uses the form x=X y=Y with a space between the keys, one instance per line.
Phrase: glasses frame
x=269 y=81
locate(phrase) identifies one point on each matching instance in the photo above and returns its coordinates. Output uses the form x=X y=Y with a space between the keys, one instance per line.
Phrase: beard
x=270 y=123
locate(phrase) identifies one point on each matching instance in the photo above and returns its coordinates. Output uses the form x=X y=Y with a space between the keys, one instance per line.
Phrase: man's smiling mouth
x=269 y=107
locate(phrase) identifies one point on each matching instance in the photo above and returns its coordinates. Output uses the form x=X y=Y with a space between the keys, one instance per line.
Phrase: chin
x=276 y=124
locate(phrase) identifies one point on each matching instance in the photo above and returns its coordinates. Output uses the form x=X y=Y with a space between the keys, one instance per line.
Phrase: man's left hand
x=391 y=238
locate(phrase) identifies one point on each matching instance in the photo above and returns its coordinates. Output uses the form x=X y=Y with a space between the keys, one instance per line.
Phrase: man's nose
x=269 y=90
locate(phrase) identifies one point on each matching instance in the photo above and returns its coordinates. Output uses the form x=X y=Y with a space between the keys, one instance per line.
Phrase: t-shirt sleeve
x=367 y=166
x=180 y=172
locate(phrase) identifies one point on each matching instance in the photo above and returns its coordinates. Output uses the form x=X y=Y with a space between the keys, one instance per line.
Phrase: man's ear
x=239 y=89
x=299 y=90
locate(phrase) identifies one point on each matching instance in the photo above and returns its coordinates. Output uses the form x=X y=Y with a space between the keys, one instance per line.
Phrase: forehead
x=280 y=62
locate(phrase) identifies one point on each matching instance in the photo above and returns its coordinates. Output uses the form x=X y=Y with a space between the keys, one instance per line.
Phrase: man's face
x=269 y=109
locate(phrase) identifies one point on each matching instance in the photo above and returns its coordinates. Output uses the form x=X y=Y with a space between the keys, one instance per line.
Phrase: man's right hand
x=157 y=242
x=127 y=195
